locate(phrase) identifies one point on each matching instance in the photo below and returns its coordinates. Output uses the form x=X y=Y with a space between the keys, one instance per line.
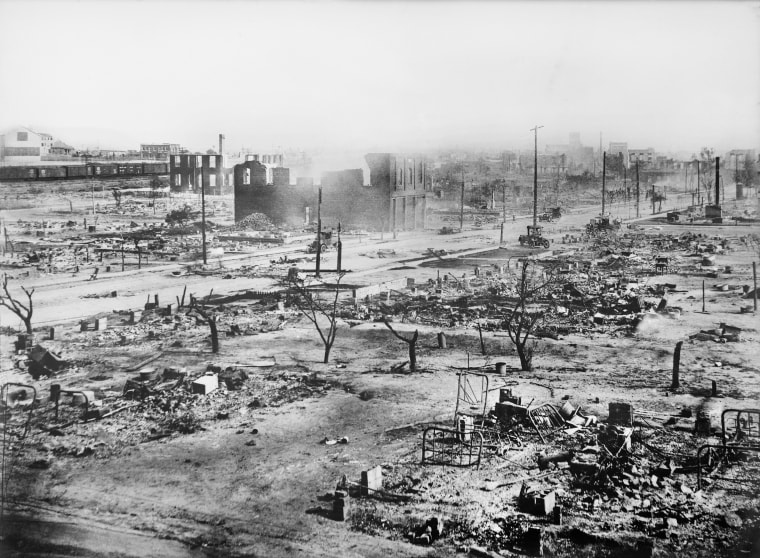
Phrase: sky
x=382 y=76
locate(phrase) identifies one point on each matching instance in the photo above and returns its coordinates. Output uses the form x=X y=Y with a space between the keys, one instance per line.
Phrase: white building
x=23 y=146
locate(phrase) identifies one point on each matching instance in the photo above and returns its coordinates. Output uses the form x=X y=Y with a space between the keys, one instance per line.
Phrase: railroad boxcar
x=51 y=172
x=76 y=172
x=18 y=173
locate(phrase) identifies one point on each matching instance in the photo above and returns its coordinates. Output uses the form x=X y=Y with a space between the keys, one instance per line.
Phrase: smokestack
x=221 y=144
x=717 y=180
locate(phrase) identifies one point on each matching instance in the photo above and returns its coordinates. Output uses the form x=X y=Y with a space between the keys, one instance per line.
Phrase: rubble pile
x=254 y=221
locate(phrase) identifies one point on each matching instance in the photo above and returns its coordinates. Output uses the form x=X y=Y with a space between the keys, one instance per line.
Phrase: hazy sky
x=382 y=75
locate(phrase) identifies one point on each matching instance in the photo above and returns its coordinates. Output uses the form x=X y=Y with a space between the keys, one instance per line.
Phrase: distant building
x=188 y=173
x=576 y=157
x=404 y=181
x=23 y=145
x=616 y=148
x=61 y=149
x=644 y=157
x=395 y=197
x=159 y=151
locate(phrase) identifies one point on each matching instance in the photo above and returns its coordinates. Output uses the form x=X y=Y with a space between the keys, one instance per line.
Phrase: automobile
x=534 y=237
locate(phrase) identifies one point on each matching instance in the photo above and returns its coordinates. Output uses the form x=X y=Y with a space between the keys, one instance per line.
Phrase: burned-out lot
x=626 y=425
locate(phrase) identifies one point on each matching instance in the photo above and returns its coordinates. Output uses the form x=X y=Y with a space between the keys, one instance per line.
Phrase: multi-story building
x=644 y=157
x=394 y=199
x=22 y=145
x=160 y=151
x=404 y=180
x=190 y=173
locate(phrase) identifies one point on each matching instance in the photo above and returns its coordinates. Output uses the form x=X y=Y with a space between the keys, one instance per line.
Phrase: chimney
x=717 y=180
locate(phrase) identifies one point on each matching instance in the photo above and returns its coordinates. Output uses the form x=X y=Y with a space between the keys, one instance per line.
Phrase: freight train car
x=92 y=170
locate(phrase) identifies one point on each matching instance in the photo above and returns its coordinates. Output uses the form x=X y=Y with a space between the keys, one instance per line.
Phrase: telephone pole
x=638 y=193
x=604 y=178
x=203 y=217
x=319 y=233
x=461 y=204
x=535 y=173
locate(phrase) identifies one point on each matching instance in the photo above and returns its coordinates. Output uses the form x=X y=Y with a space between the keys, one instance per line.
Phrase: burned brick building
x=405 y=180
x=188 y=173
x=394 y=199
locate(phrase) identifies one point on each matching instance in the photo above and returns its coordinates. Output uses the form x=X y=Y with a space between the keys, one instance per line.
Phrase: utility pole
x=339 y=245
x=604 y=178
x=461 y=205
x=638 y=193
x=203 y=217
x=319 y=231
x=535 y=173
x=699 y=199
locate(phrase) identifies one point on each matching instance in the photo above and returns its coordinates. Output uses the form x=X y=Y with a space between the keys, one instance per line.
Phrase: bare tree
x=203 y=312
x=24 y=312
x=523 y=319
x=411 y=341
x=313 y=308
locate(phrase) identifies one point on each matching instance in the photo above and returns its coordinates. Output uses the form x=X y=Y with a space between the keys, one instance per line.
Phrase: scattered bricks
x=101 y=324
x=205 y=384
x=533 y=541
x=372 y=481
x=620 y=414
x=341 y=506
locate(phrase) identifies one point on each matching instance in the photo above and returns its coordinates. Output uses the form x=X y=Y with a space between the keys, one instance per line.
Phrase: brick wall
x=344 y=199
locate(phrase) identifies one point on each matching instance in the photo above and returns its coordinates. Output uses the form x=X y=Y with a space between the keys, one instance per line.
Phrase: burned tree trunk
x=24 y=312
x=312 y=308
x=412 y=342
x=210 y=320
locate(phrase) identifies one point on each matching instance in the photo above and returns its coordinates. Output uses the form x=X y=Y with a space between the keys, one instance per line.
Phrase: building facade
x=190 y=173
x=23 y=146
x=404 y=180
x=616 y=148
x=159 y=151
x=394 y=199
x=644 y=157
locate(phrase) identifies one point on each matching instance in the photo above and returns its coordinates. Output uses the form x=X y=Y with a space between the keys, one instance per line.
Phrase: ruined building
x=394 y=199
x=404 y=179
x=188 y=173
